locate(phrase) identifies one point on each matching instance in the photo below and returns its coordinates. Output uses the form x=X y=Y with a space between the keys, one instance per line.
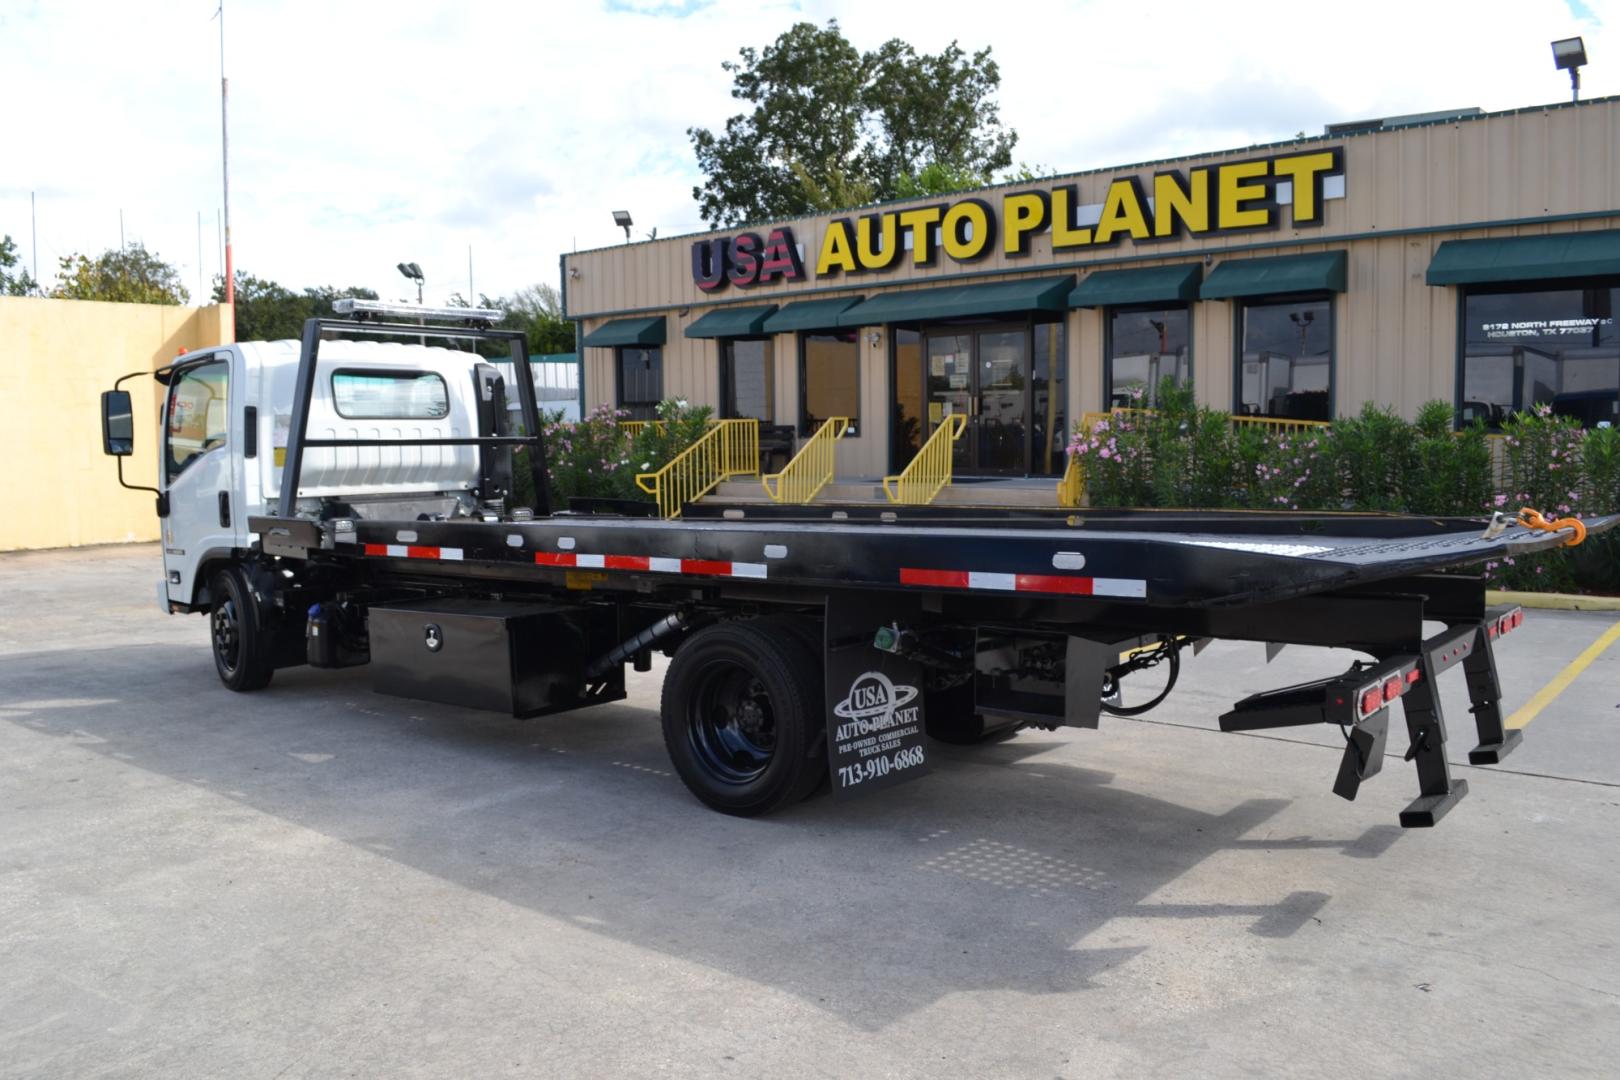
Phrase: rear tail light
x=1372 y=698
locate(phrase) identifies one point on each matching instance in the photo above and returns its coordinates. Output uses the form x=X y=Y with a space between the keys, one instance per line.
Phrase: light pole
x=413 y=272
x=1570 y=54
x=621 y=218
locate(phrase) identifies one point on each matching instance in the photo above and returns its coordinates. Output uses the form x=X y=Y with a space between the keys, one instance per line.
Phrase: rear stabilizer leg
x=1438 y=792
x=1485 y=699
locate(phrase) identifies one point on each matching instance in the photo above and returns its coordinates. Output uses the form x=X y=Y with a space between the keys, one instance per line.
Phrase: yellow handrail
x=930 y=470
x=811 y=468
x=1274 y=425
x=632 y=428
x=1072 y=487
x=729 y=448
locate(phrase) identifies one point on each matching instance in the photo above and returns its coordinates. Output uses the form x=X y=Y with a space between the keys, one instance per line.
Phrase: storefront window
x=906 y=430
x=829 y=380
x=1145 y=347
x=747 y=380
x=641 y=381
x=1529 y=347
x=1287 y=368
x=1051 y=364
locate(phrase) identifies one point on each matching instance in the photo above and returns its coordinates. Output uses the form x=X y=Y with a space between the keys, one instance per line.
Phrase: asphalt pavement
x=317 y=881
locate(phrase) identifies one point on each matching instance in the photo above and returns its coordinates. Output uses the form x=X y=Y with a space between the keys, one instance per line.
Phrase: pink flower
x=1105 y=453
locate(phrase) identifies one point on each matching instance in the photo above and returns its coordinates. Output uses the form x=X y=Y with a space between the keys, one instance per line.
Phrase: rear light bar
x=1512 y=620
x=1374 y=696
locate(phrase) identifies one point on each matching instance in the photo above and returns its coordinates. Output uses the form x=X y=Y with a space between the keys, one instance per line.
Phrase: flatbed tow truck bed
x=1104 y=581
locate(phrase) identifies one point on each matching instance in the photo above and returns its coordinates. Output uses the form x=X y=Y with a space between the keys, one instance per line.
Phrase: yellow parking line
x=1544 y=697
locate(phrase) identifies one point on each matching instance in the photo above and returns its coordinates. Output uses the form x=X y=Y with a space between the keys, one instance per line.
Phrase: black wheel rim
x=730 y=723
x=227 y=634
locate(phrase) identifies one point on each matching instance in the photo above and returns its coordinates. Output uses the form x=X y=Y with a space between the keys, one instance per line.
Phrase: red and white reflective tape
x=1068 y=584
x=653 y=563
x=414 y=551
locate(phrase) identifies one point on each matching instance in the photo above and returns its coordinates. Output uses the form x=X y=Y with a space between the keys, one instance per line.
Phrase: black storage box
x=521 y=659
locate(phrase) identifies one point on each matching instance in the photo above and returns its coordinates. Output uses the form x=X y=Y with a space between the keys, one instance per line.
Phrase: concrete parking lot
x=319 y=881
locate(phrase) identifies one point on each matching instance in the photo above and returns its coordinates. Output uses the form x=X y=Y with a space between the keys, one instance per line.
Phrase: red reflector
x=1393 y=688
x=1414 y=675
x=1371 y=701
x=1518 y=617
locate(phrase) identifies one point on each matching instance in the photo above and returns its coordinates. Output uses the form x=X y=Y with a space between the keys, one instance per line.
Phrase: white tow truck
x=346 y=500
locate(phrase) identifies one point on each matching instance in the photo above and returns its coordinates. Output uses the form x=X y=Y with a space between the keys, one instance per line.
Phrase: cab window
x=196 y=415
x=390 y=395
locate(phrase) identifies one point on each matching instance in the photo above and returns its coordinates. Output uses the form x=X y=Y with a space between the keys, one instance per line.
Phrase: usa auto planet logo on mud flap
x=879 y=732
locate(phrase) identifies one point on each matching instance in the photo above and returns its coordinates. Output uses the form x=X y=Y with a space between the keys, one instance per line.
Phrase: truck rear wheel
x=242 y=649
x=742 y=714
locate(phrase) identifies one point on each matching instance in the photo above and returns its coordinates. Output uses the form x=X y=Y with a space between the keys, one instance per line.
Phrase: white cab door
x=197 y=472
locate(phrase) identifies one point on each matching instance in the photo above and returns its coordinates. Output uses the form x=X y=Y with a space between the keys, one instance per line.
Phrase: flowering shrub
x=596 y=458
x=1180 y=455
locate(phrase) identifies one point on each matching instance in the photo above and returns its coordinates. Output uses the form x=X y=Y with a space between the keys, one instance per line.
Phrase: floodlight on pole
x=413 y=272
x=621 y=218
x=1569 y=54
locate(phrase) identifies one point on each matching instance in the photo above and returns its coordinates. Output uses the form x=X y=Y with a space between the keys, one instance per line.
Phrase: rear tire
x=743 y=715
x=243 y=650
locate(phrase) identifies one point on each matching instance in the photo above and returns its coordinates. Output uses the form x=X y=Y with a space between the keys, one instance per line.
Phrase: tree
x=537 y=311
x=829 y=122
x=131 y=275
x=20 y=282
x=266 y=311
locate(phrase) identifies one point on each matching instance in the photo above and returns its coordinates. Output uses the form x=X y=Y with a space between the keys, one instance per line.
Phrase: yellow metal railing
x=811 y=468
x=930 y=470
x=729 y=448
x=632 y=428
x=1272 y=425
x=1072 y=487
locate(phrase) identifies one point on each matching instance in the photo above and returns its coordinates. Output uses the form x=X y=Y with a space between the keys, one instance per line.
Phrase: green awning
x=955 y=301
x=809 y=315
x=1324 y=271
x=628 y=332
x=1526 y=258
x=732 y=322
x=1150 y=285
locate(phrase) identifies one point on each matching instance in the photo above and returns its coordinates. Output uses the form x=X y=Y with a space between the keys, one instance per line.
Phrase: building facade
x=1471 y=258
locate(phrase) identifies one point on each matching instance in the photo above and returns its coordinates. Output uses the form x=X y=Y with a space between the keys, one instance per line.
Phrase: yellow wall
x=56 y=357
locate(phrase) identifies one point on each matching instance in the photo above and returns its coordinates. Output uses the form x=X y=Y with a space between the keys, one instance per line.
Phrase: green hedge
x=1182 y=455
x=597 y=458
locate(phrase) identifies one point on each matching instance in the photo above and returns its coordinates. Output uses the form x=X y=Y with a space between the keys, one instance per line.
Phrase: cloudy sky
x=366 y=133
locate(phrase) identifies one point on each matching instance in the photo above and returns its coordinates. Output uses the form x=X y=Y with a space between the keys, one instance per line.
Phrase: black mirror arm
x=162 y=497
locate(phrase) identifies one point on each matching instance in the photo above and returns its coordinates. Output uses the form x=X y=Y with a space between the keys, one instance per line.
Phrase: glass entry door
x=984 y=375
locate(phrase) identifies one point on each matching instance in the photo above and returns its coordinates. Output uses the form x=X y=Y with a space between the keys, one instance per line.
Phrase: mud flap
x=1363 y=755
x=875 y=720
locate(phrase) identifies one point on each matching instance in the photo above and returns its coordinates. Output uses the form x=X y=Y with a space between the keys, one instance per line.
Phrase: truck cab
x=224 y=434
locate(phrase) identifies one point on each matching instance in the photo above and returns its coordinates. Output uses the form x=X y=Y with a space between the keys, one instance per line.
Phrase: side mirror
x=117 y=424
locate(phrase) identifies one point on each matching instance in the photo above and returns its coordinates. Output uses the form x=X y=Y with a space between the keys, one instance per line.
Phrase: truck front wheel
x=742 y=715
x=242 y=648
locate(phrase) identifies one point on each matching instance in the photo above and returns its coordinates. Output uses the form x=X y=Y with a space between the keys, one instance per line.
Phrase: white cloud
x=364 y=134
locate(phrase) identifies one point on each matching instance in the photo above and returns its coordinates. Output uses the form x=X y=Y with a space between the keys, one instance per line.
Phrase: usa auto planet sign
x=875 y=733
